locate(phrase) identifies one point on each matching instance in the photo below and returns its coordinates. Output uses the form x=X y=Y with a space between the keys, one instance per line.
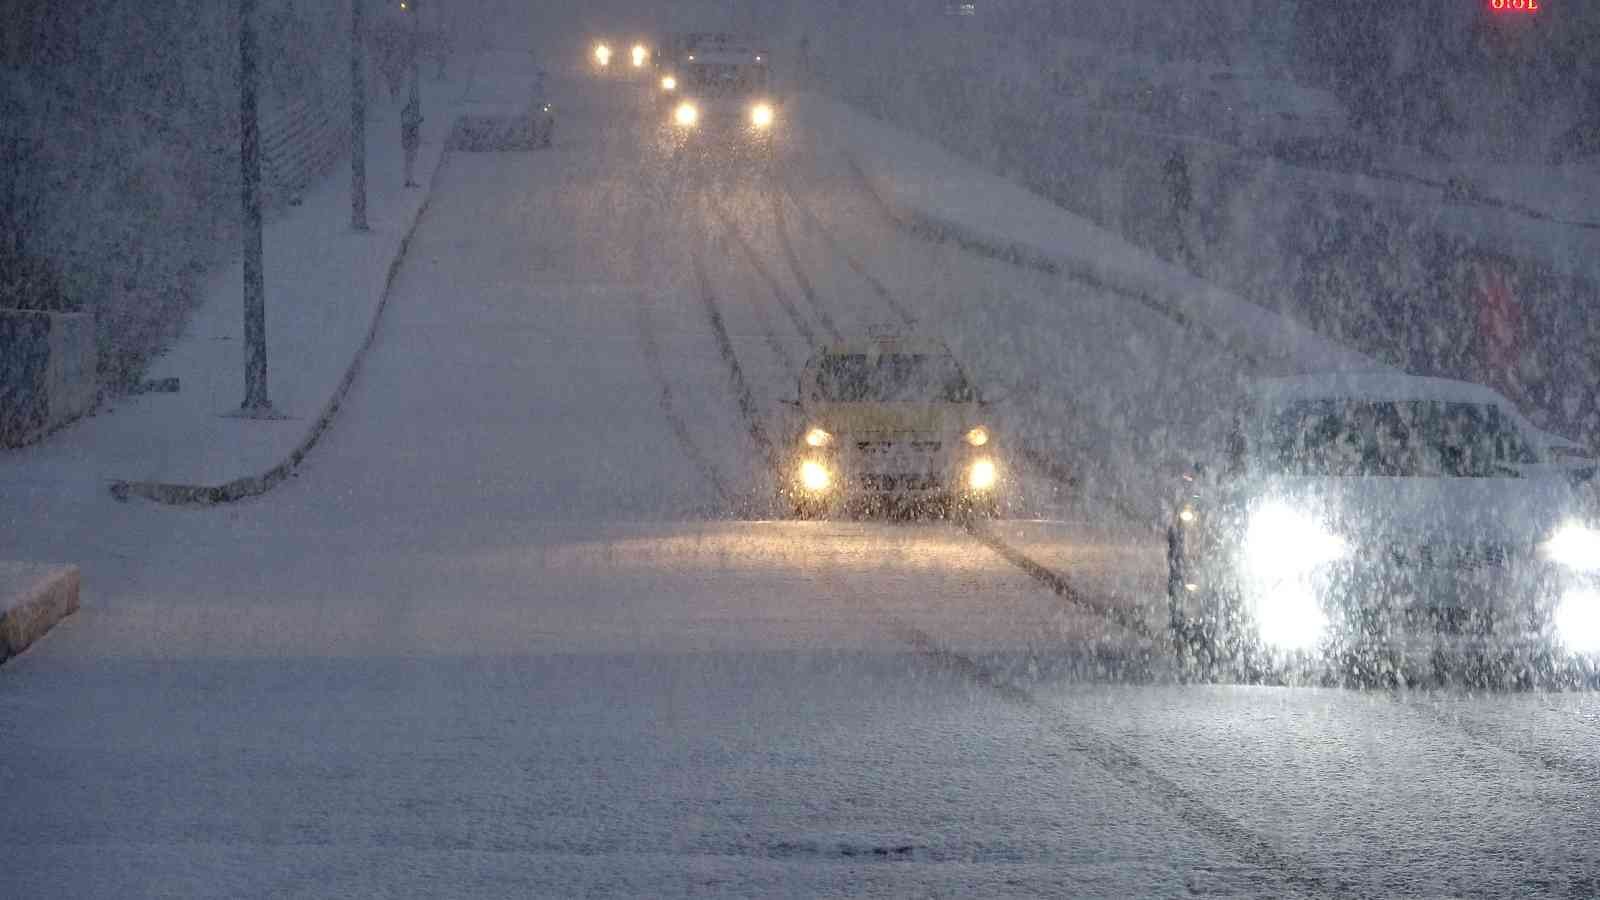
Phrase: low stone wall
x=47 y=372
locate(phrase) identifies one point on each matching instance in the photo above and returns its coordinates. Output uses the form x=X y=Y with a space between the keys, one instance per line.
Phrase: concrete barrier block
x=33 y=598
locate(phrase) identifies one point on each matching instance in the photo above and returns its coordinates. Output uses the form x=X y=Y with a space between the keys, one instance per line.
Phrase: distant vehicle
x=721 y=83
x=890 y=424
x=1381 y=528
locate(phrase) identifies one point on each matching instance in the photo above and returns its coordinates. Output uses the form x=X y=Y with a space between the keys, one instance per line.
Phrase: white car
x=890 y=424
x=1381 y=528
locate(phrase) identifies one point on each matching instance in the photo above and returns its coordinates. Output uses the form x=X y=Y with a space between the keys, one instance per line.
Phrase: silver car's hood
x=1454 y=510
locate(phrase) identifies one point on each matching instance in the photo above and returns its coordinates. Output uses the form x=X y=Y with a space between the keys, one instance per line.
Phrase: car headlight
x=817 y=437
x=982 y=475
x=602 y=54
x=1283 y=545
x=640 y=54
x=1575 y=546
x=761 y=115
x=1283 y=542
x=977 y=437
x=668 y=83
x=1578 y=621
x=686 y=114
x=814 y=476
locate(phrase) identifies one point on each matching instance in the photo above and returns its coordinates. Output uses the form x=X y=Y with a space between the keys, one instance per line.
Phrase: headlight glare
x=640 y=54
x=977 y=437
x=1282 y=542
x=669 y=83
x=602 y=54
x=1575 y=546
x=686 y=114
x=982 y=475
x=814 y=476
x=761 y=115
x=817 y=437
x=1578 y=621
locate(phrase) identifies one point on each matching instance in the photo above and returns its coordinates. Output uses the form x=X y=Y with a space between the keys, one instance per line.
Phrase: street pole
x=255 y=403
x=416 y=55
x=358 y=123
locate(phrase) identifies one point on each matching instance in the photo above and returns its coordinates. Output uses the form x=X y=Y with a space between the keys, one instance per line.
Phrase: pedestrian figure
x=411 y=134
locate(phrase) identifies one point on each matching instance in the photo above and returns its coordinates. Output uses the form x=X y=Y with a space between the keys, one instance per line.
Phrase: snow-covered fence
x=299 y=141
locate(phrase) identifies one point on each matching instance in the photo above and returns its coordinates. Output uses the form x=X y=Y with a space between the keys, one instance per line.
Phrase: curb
x=48 y=595
x=254 y=485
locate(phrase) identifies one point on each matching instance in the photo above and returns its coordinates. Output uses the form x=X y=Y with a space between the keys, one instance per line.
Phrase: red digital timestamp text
x=1522 y=6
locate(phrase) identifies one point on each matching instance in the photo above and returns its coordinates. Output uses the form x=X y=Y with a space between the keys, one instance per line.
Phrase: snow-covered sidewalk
x=324 y=285
x=930 y=189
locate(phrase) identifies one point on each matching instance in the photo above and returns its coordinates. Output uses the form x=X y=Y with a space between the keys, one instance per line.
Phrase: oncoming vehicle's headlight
x=686 y=115
x=761 y=115
x=1575 y=546
x=602 y=54
x=982 y=475
x=817 y=437
x=640 y=54
x=814 y=476
x=1283 y=542
x=1578 y=620
x=1282 y=546
x=668 y=83
x=977 y=437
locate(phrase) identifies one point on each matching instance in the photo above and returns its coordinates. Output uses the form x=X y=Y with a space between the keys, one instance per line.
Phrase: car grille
x=890 y=446
x=919 y=482
x=1480 y=555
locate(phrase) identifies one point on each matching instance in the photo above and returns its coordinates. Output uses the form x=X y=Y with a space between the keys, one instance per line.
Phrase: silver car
x=1382 y=528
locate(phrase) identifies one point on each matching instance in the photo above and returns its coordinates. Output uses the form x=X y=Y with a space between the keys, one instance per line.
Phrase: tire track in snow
x=807 y=333
x=768 y=333
x=680 y=428
x=849 y=258
x=1124 y=765
x=781 y=225
x=748 y=409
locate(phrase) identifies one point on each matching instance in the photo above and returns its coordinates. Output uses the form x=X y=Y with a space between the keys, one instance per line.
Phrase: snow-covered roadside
x=324 y=286
x=927 y=188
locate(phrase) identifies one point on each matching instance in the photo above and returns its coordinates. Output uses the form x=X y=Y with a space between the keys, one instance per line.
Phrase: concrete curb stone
x=33 y=598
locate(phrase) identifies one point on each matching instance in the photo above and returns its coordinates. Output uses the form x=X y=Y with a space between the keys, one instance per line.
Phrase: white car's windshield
x=892 y=378
x=1401 y=439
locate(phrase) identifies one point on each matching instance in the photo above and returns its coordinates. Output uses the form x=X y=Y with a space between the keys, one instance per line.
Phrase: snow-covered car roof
x=1374 y=385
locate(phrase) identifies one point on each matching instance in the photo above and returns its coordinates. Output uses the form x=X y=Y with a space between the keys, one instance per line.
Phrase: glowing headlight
x=982 y=475
x=669 y=83
x=816 y=437
x=686 y=115
x=1575 y=547
x=640 y=54
x=602 y=54
x=977 y=437
x=1290 y=619
x=1578 y=621
x=1283 y=542
x=761 y=115
x=1186 y=514
x=814 y=476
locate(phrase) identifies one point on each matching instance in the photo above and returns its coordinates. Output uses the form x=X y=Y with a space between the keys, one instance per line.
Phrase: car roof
x=1373 y=385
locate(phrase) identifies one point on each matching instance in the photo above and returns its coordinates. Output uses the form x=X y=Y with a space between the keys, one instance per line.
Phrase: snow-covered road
x=522 y=626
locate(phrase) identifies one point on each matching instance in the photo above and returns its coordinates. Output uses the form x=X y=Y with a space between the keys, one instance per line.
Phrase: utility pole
x=358 y=122
x=256 y=404
x=416 y=54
